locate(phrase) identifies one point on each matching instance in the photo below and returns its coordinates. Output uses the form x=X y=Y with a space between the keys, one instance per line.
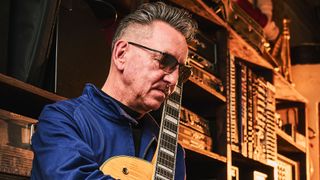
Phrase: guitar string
x=165 y=159
x=168 y=140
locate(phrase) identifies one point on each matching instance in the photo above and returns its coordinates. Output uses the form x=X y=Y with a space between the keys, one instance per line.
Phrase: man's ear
x=119 y=51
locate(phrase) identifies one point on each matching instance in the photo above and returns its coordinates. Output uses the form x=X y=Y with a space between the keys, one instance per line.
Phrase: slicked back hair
x=147 y=13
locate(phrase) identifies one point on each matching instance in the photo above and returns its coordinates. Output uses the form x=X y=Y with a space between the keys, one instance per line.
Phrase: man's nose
x=172 y=78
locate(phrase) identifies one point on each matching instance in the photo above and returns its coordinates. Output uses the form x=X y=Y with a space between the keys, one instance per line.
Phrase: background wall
x=307 y=81
x=83 y=53
x=304 y=16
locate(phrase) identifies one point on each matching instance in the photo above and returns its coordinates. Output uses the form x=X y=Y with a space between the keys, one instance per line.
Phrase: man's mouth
x=165 y=89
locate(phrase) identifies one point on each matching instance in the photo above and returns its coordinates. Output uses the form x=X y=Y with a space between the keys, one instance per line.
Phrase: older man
x=74 y=137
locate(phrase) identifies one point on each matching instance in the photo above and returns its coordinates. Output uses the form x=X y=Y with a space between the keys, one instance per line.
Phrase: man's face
x=147 y=84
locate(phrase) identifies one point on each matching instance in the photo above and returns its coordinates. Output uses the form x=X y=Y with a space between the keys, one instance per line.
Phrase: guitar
x=163 y=165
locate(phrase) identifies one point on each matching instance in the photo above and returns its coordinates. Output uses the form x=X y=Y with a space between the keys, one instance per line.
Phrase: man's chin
x=154 y=105
x=154 y=100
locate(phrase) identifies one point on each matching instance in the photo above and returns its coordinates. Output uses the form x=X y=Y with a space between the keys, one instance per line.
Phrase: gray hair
x=146 y=13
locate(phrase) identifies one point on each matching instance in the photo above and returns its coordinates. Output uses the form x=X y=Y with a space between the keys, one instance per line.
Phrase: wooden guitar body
x=127 y=167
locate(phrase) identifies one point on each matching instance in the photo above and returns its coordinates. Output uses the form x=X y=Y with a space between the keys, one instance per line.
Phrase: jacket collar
x=107 y=106
x=110 y=109
x=102 y=101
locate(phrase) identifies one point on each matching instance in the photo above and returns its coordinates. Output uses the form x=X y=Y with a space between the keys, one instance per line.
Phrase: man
x=76 y=136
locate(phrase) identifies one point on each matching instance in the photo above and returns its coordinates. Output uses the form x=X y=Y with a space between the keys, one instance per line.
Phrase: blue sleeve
x=180 y=173
x=59 y=151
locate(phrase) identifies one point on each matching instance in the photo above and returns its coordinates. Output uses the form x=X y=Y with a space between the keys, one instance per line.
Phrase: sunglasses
x=169 y=63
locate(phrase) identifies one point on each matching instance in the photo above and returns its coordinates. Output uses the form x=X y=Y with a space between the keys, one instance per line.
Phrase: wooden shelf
x=204 y=165
x=209 y=89
x=203 y=155
x=285 y=143
x=201 y=101
x=285 y=90
x=17 y=118
x=200 y=8
x=240 y=48
x=23 y=98
x=241 y=161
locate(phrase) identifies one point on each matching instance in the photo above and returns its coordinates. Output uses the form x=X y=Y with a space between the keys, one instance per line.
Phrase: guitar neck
x=168 y=136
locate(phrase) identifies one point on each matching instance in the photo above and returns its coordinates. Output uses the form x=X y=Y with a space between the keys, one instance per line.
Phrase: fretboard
x=168 y=137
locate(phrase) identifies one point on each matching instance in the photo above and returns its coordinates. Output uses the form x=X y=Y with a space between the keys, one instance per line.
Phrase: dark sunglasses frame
x=168 y=63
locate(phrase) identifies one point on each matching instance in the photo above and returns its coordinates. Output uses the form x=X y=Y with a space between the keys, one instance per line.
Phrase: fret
x=175 y=98
x=165 y=168
x=166 y=151
x=167 y=138
x=168 y=143
x=161 y=177
x=166 y=160
x=173 y=104
x=167 y=164
x=170 y=133
x=171 y=119
x=166 y=173
x=177 y=89
x=172 y=111
x=163 y=172
x=170 y=126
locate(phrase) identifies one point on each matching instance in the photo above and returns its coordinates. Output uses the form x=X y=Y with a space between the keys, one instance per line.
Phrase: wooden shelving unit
x=28 y=100
x=285 y=92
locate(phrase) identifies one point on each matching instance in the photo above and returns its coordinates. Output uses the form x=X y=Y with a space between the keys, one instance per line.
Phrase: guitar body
x=127 y=167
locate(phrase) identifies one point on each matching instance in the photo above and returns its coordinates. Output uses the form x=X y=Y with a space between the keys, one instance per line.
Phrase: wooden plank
x=15 y=161
x=22 y=98
x=28 y=88
x=286 y=143
x=200 y=8
x=203 y=154
x=209 y=89
x=286 y=91
x=15 y=151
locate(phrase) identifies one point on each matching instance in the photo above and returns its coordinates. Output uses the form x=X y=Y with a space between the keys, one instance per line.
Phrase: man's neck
x=114 y=95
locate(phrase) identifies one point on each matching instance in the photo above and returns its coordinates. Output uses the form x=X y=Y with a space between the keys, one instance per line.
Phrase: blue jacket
x=74 y=137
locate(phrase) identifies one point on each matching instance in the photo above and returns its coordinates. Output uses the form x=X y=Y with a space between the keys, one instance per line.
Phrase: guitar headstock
x=184 y=74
